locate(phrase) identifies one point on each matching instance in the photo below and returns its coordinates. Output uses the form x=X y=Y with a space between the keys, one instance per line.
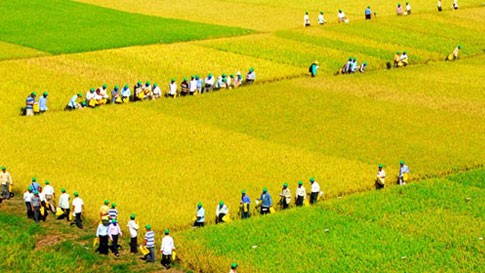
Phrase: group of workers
x=399 y=9
x=402 y=178
x=36 y=107
x=147 y=91
x=401 y=59
x=454 y=6
x=351 y=66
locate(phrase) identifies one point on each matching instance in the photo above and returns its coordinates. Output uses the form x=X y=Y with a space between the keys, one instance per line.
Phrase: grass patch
x=58 y=26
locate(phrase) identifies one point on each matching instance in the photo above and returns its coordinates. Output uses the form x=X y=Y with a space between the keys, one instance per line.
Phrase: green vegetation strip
x=420 y=227
x=58 y=26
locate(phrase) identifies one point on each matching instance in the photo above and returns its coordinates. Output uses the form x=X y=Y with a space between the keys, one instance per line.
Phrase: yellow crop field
x=13 y=51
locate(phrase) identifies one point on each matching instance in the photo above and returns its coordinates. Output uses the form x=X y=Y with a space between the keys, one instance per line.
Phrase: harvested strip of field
x=12 y=51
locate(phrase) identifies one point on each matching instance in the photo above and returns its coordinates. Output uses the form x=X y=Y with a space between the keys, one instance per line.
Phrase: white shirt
x=64 y=201
x=220 y=210
x=306 y=19
x=228 y=80
x=408 y=7
x=209 y=81
x=439 y=4
x=133 y=227
x=192 y=85
x=90 y=96
x=321 y=20
x=156 y=90
x=167 y=245
x=301 y=191
x=341 y=15
x=315 y=187
x=42 y=196
x=173 y=88
x=77 y=203
x=48 y=190
x=404 y=57
x=27 y=196
x=103 y=93
x=381 y=174
x=5 y=177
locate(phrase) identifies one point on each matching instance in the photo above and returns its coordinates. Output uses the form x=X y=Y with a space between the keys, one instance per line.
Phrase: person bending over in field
x=138 y=89
x=397 y=59
x=209 y=83
x=354 y=66
x=172 y=88
x=341 y=17
x=103 y=92
x=251 y=76
x=100 y=98
x=454 y=55
x=404 y=59
x=346 y=67
x=237 y=80
x=362 y=67
x=156 y=92
x=200 y=84
x=455 y=4
x=380 y=178
x=75 y=102
x=115 y=95
x=91 y=98
x=221 y=211
x=192 y=85
x=321 y=19
x=306 y=20
x=313 y=69
x=184 y=87
x=399 y=9
x=147 y=90
x=408 y=9
x=126 y=94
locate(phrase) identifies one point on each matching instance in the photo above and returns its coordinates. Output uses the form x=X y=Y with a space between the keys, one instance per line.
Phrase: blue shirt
x=126 y=92
x=102 y=230
x=245 y=200
x=150 y=238
x=404 y=169
x=266 y=198
x=201 y=215
x=35 y=186
x=43 y=103
x=72 y=103
x=29 y=102
x=367 y=12
x=199 y=83
x=314 y=69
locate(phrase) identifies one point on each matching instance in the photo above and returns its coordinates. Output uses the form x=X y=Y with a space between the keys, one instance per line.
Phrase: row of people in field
x=351 y=66
x=400 y=10
x=147 y=91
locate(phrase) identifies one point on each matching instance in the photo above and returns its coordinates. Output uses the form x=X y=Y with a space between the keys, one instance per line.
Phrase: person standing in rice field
x=300 y=194
x=43 y=102
x=114 y=232
x=50 y=196
x=150 y=243
x=35 y=204
x=64 y=204
x=245 y=205
x=77 y=208
x=167 y=249
x=380 y=178
x=439 y=6
x=315 y=191
x=313 y=69
x=103 y=210
x=113 y=212
x=266 y=202
x=199 y=216
x=403 y=173
x=103 y=235
x=28 y=202
x=29 y=104
x=6 y=181
x=285 y=196
x=306 y=19
x=368 y=13
x=133 y=228
x=221 y=211
x=321 y=18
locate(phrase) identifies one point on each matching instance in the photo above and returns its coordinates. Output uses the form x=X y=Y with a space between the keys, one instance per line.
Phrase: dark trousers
x=103 y=244
x=367 y=16
x=133 y=245
x=284 y=205
x=37 y=213
x=219 y=218
x=313 y=197
x=65 y=214
x=379 y=186
x=43 y=217
x=198 y=224
x=245 y=214
x=30 y=213
x=264 y=210
x=299 y=201
x=166 y=259
x=114 y=244
x=79 y=222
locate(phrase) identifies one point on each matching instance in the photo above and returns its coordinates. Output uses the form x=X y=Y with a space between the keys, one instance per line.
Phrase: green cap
x=106 y=202
x=251 y=69
x=221 y=203
x=139 y=82
x=339 y=10
x=312 y=179
x=365 y=63
x=224 y=75
x=232 y=75
x=402 y=162
x=167 y=231
x=80 y=95
x=3 y=168
x=116 y=87
x=36 y=192
x=199 y=204
x=126 y=86
x=265 y=189
x=132 y=216
x=105 y=85
x=92 y=89
x=404 y=52
x=233 y=265
x=368 y=7
x=155 y=84
x=306 y=12
x=380 y=165
x=148 y=227
x=459 y=46
x=285 y=185
x=113 y=205
x=243 y=192
x=114 y=220
x=63 y=190
x=30 y=188
x=300 y=182
x=47 y=182
x=34 y=94
x=398 y=52
x=45 y=93
x=76 y=193
x=172 y=79
x=34 y=179
x=148 y=82
x=210 y=74
x=185 y=79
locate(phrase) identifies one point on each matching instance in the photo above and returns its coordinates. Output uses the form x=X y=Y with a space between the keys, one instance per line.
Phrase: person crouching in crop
x=251 y=76
x=172 y=88
x=221 y=211
x=380 y=178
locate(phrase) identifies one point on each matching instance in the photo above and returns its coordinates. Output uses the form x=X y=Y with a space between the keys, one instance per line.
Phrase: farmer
x=200 y=83
x=300 y=194
x=35 y=204
x=75 y=102
x=209 y=83
x=112 y=212
x=233 y=268
x=321 y=19
x=221 y=211
x=103 y=93
x=29 y=104
x=380 y=178
x=404 y=58
x=454 y=55
x=91 y=98
x=157 y=93
x=439 y=6
x=455 y=4
x=150 y=243
x=115 y=95
x=341 y=16
x=285 y=195
x=50 y=196
x=167 y=248
x=353 y=65
x=126 y=93
x=313 y=68
x=172 y=88
x=238 y=79
x=399 y=9
x=199 y=216
x=315 y=190
x=397 y=59
x=28 y=200
x=192 y=85
x=306 y=20
x=133 y=228
x=138 y=91
x=43 y=102
x=103 y=235
x=362 y=67
x=64 y=204
x=184 y=87
x=245 y=202
x=103 y=210
x=43 y=205
x=368 y=13
x=266 y=201
x=114 y=232
x=403 y=173
x=251 y=76
x=408 y=8
x=34 y=184
x=147 y=90
x=77 y=208
x=6 y=181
